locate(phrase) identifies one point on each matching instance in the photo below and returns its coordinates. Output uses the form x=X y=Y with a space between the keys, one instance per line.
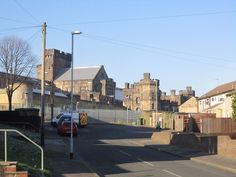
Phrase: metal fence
x=112 y=116
x=16 y=131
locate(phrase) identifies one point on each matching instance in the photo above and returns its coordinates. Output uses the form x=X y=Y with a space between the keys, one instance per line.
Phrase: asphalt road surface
x=114 y=150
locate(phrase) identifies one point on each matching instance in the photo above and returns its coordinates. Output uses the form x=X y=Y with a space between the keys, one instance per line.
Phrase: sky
x=180 y=42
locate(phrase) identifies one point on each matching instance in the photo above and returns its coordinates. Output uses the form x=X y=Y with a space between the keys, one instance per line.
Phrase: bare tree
x=17 y=61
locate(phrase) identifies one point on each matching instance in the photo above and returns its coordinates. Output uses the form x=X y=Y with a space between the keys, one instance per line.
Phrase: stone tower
x=55 y=63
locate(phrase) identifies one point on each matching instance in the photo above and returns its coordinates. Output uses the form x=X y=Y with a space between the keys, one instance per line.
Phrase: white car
x=75 y=118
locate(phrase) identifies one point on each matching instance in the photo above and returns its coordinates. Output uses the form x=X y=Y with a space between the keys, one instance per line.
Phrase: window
x=152 y=106
x=137 y=100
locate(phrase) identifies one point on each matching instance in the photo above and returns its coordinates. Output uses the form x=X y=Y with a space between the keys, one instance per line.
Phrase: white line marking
x=125 y=153
x=167 y=171
x=136 y=143
x=141 y=160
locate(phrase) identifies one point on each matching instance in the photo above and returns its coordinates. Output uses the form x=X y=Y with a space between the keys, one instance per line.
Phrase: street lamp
x=127 y=112
x=71 y=96
x=156 y=95
x=156 y=99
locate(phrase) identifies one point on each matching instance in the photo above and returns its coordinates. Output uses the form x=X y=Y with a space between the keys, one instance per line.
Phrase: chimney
x=126 y=85
x=146 y=76
x=189 y=88
x=172 y=92
x=163 y=94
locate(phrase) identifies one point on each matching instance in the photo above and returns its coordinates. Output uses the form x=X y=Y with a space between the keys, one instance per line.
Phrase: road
x=114 y=150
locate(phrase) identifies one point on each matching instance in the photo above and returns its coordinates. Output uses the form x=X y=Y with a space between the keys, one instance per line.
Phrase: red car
x=64 y=126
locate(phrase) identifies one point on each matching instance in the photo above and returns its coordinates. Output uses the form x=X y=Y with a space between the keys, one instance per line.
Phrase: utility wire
x=14 y=20
x=58 y=29
x=151 y=18
x=17 y=28
x=33 y=36
x=161 y=53
x=152 y=49
x=26 y=11
x=158 y=48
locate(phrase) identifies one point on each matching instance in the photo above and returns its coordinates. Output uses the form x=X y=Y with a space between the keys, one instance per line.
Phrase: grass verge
x=25 y=153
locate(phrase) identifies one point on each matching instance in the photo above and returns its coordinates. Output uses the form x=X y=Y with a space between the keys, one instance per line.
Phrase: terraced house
x=218 y=100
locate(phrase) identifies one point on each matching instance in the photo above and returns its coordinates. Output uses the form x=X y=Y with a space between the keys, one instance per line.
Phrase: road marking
x=125 y=153
x=167 y=171
x=136 y=143
x=148 y=163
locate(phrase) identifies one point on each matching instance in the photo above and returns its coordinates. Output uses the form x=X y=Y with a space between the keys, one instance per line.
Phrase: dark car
x=64 y=126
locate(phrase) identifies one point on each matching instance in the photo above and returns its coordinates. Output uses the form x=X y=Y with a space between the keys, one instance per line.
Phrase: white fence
x=112 y=116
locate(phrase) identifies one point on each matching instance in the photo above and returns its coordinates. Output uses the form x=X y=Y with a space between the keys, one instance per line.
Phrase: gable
x=101 y=75
x=189 y=103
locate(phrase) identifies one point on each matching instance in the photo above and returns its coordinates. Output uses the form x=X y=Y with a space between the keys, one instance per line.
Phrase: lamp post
x=156 y=99
x=156 y=96
x=127 y=113
x=71 y=96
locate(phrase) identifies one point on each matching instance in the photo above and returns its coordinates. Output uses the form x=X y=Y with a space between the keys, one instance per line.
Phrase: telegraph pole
x=43 y=83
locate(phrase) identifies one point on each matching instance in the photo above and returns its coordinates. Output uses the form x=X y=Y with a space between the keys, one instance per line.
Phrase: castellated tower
x=55 y=63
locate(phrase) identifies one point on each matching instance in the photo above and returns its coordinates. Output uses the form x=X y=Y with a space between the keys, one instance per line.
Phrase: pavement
x=57 y=153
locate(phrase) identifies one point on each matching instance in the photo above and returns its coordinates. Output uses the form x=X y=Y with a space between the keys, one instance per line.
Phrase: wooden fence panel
x=219 y=125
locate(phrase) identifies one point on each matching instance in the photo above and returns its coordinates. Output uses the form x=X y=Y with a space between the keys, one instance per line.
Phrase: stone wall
x=224 y=145
x=227 y=145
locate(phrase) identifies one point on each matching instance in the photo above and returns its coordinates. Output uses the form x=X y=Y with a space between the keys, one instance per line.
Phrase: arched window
x=138 y=109
x=138 y=100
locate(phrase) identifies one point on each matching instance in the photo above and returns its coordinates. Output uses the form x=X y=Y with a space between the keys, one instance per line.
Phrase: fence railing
x=16 y=131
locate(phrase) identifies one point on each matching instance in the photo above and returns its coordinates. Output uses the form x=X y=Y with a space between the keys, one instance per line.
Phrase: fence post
x=5 y=133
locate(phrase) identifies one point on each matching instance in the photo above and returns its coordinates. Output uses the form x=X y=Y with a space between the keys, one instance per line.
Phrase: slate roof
x=81 y=73
x=228 y=87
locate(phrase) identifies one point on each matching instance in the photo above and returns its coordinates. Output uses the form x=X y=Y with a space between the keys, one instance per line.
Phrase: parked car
x=75 y=116
x=64 y=126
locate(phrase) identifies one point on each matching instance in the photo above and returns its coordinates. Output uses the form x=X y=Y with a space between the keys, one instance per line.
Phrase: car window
x=59 y=116
x=64 y=118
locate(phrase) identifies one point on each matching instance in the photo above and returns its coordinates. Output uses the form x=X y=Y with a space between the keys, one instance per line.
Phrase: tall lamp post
x=71 y=96
x=156 y=96
x=127 y=111
x=157 y=84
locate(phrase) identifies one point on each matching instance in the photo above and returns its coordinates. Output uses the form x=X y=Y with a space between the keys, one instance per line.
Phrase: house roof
x=80 y=73
x=228 y=87
x=187 y=102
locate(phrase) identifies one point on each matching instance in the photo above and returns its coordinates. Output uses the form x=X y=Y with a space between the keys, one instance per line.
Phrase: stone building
x=90 y=83
x=28 y=95
x=146 y=95
x=55 y=63
x=142 y=95
x=173 y=101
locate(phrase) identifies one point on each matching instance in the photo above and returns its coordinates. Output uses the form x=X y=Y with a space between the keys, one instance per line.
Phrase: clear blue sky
x=180 y=42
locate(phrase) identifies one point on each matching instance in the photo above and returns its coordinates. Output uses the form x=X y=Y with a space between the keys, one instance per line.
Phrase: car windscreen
x=59 y=116
x=64 y=118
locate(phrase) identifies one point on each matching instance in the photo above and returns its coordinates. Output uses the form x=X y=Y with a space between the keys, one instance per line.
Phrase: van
x=75 y=118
